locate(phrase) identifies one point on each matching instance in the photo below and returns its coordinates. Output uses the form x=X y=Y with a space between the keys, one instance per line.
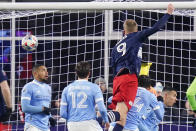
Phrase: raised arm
x=157 y=26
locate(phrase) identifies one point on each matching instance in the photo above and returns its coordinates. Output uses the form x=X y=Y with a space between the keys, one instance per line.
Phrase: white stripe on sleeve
x=157 y=107
x=25 y=98
x=63 y=103
x=98 y=99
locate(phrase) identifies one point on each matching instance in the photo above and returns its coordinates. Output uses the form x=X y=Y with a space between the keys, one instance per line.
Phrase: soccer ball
x=29 y=42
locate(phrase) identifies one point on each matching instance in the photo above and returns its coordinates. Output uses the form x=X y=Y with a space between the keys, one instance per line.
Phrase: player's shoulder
x=95 y=87
x=66 y=88
x=38 y=83
x=77 y=85
x=91 y=86
x=149 y=95
x=143 y=92
x=85 y=83
x=47 y=85
x=27 y=86
x=153 y=96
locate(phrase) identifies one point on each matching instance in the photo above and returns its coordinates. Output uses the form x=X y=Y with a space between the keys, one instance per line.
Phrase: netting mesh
x=66 y=38
x=7 y=14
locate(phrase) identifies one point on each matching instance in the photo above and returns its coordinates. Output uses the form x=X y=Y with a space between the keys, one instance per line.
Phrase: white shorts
x=90 y=125
x=131 y=130
x=111 y=129
x=29 y=127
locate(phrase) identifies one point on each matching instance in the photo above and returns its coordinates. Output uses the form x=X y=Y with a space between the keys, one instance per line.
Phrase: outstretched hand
x=170 y=9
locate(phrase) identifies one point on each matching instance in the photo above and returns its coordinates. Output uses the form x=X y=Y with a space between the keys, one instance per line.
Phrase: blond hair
x=130 y=26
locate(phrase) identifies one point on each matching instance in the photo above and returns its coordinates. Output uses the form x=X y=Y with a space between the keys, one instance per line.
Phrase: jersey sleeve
x=100 y=104
x=2 y=76
x=98 y=95
x=26 y=93
x=63 y=107
x=160 y=112
x=26 y=99
x=191 y=94
x=155 y=105
x=156 y=27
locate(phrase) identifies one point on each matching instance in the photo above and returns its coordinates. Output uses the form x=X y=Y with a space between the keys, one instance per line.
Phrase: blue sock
x=118 y=127
x=113 y=116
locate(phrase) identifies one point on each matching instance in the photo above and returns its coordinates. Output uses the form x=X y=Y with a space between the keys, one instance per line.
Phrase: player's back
x=125 y=53
x=142 y=101
x=80 y=97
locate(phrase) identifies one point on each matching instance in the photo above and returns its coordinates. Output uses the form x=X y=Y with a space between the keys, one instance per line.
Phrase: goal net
x=68 y=36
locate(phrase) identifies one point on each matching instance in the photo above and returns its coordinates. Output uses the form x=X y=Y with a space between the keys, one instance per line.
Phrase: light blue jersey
x=150 y=122
x=35 y=96
x=78 y=102
x=143 y=100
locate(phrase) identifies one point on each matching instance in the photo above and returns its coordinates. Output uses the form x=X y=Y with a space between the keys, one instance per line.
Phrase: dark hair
x=36 y=67
x=82 y=69
x=168 y=88
x=144 y=81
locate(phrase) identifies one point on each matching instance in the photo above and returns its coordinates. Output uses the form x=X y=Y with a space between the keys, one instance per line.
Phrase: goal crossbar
x=95 y=5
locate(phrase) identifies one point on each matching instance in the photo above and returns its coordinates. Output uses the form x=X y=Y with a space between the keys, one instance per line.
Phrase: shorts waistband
x=124 y=71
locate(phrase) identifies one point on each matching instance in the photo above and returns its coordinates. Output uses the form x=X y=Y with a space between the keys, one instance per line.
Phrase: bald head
x=130 y=26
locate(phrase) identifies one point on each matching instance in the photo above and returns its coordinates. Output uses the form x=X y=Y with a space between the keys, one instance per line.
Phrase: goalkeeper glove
x=46 y=110
x=6 y=115
x=52 y=121
x=160 y=98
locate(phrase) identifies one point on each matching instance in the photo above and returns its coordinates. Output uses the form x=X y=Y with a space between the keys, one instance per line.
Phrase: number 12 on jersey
x=81 y=102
